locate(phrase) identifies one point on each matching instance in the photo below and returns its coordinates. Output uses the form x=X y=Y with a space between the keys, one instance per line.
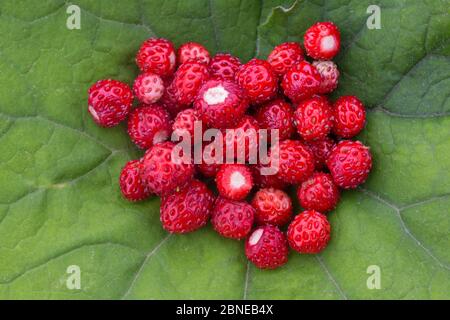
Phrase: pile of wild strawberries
x=285 y=93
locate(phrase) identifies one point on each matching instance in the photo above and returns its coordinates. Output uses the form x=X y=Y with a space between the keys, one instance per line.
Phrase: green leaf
x=59 y=199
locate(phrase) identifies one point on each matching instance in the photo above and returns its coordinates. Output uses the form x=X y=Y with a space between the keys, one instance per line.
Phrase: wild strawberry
x=349 y=163
x=188 y=209
x=130 y=182
x=258 y=80
x=149 y=125
x=193 y=51
x=321 y=149
x=266 y=181
x=187 y=82
x=284 y=56
x=184 y=123
x=242 y=142
x=157 y=56
x=221 y=103
x=330 y=75
x=168 y=100
x=162 y=173
x=294 y=161
x=309 y=232
x=234 y=181
x=322 y=40
x=276 y=114
x=313 y=119
x=318 y=193
x=301 y=81
x=272 y=206
x=232 y=219
x=225 y=66
x=109 y=102
x=210 y=164
x=267 y=247
x=148 y=88
x=349 y=116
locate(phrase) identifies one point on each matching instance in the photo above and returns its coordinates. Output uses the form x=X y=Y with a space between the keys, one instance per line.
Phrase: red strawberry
x=266 y=181
x=318 y=193
x=130 y=182
x=188 y=209
x=234 y=181
x=309 y=232
x=322 y=40
x=148 y=88
x=193 y=51
x=221 y=103
x=284 y=56
x=184 y=124
x=313 y=118
x=321 y=149
x=294 y=161
x=301 y=81
x=276 y=114
x=149 y=125
x=232 y=219
x=210 y=165
x=272 y=206
x=349 y=116
x=258 y=80
x=161 y=172
x=225 y=66
x=330 y=75
x=157 y=56
x=242 y=142
x=187 y=82
x=349 y=163
x=109 y=102
x=267 y=247
x=168 y=100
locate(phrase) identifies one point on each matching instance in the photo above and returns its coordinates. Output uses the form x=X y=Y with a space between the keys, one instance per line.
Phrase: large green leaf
x=59 y=199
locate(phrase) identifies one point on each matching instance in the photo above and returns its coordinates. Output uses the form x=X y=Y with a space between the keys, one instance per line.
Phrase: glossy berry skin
x=276 y=114
x=318 y=193
x=301 y=81
x=243 y=141
x=266 y=181
x=158 y=56
x=163 y=175
x=234 y=181
x=225 y=66
x=309 y=232
x=109 y=102
x=272 y=206
x=295 y=161
x=313 y=118
x=188 y=209
x=349 y=116
x=184 y=125
x=284 y=56
x=232 y=219
x=258 y=81
x=210 y=165
x=188 y=79
x=267 y=247
x=130 y=182
x=148 y=88
x=168 y=100
x=349 y=163
x=330 y=75
x=149 y=125
x=221 y=103
x=193 y=51
x=322 y=40
x=321 y=150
